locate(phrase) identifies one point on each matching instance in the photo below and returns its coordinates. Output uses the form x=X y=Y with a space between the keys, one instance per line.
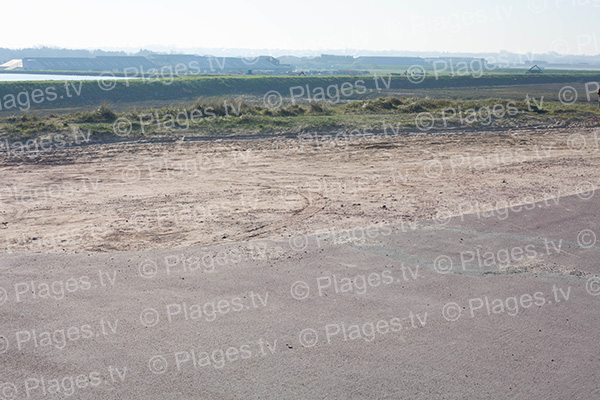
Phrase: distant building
x=534 y=70
x=457 y=60
x=334 y=59
x=215 y=65
x=12 y=65
x=383 y=61
x=97 y=64
x=180 y=63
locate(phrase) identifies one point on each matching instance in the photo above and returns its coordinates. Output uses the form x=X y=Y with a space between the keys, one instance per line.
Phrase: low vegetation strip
x=236 y=116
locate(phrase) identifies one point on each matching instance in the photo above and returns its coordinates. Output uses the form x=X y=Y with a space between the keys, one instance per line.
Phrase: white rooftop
x=12 y=64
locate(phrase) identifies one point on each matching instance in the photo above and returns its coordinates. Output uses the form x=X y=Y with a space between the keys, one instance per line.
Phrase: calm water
x=41 y=77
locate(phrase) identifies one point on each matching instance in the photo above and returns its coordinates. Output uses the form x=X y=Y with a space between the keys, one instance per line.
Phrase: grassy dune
x=228 y=116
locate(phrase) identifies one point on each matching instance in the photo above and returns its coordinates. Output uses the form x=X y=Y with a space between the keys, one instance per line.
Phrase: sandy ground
x=172 y=195
x=304 y=268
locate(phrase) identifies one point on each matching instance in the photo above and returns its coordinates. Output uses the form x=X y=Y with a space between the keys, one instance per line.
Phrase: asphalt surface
x=496 y=305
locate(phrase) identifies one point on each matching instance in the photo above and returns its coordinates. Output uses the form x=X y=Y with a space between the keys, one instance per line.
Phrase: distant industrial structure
x=189 y=64
x=97 y=64
x=389 y=61
x=327 y=63
x=211 y=64
x=181 y=63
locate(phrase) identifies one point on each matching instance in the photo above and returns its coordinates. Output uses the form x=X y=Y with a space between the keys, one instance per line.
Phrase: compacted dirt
x=130 y=196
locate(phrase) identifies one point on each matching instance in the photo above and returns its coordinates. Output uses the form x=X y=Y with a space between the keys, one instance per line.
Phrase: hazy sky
x=538 y=26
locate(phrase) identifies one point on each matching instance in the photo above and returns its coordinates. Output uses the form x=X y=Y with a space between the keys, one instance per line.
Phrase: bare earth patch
x=156 y=196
